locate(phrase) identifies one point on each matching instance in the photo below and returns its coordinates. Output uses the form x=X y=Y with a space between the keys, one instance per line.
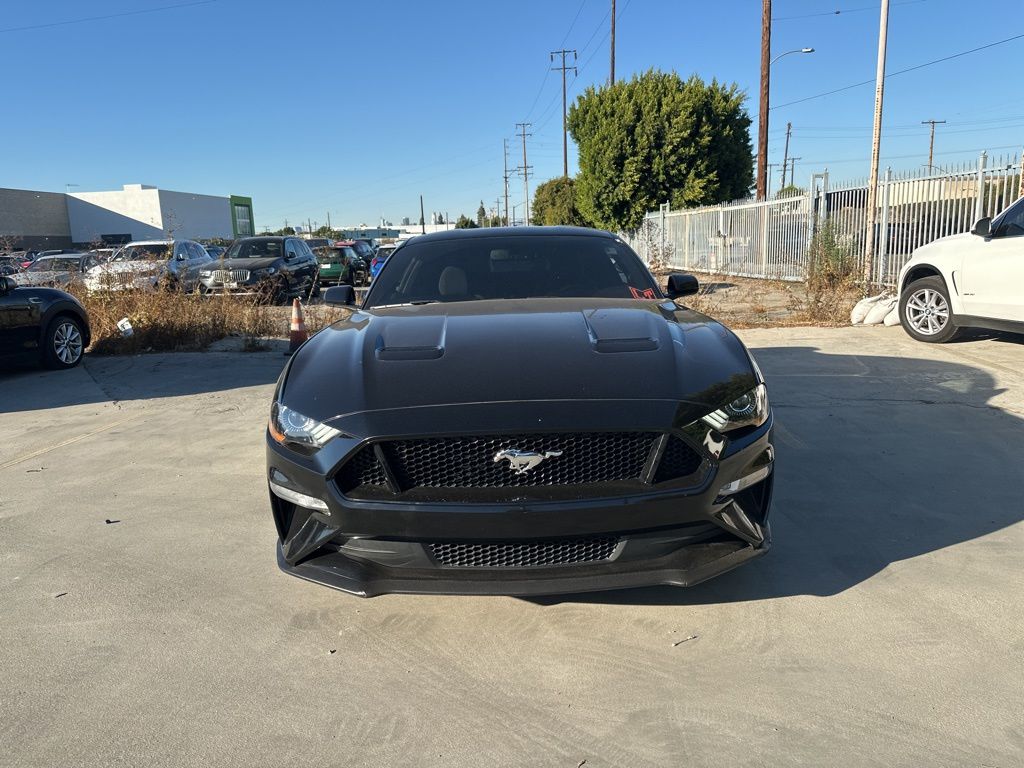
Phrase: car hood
x=518 y=351
x=122 y=267
x=250 y=264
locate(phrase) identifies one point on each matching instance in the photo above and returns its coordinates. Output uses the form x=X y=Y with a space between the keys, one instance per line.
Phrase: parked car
x=9 y=265
x=317 y=242
x=277 y=268
x=57 y=271
x=516 y=411
x=41 y=323
x=56 y=252
x=169 y=264
x=362 y=248
x=339 y=264
x=379 y=258
x=970 y=280
x=215 y=251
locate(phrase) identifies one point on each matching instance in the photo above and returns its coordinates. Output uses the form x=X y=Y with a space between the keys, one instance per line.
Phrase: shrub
x=166 y=321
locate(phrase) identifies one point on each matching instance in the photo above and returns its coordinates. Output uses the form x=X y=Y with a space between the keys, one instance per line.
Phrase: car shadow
x=102 y=378
x=879 y=460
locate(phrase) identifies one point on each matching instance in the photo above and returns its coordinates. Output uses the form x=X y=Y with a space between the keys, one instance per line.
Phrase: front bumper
x=675 y=537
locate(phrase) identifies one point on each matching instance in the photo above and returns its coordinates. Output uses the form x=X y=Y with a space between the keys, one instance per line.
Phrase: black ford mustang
x=519 y=411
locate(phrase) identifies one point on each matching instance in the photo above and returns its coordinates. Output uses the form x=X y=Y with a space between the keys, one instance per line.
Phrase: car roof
x=559 y=231
x=262 y=239
x=150 y=242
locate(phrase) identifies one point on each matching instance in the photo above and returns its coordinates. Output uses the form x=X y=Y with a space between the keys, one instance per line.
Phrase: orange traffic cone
x=297 y=335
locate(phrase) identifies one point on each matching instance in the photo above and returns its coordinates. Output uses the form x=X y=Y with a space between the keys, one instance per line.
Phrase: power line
x=107 y=16
x=840 y=11
x=901 y=71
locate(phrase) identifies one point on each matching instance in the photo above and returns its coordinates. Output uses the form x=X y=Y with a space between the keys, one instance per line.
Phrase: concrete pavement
x=884 y=629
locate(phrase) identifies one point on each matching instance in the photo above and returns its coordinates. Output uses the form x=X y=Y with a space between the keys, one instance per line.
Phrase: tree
x=496 y=221
x=464 y=222
x=554 y=202
x=790 y=190
x=286 y=231
x=656 y=138
x=440 y=218
x=481 y=215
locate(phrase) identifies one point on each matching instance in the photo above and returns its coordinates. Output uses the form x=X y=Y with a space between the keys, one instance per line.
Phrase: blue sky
x=356 y=108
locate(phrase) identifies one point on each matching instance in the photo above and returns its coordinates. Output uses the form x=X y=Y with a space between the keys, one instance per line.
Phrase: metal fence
x=773 y=239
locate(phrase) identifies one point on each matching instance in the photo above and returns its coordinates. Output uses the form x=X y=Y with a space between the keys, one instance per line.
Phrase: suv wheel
x=925 y=311
x=63 y=343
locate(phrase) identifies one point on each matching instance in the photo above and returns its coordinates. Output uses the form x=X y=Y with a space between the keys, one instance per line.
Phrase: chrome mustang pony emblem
x=522 y=462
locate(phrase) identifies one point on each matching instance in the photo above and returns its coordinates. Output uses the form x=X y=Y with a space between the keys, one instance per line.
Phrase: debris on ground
x=684 y=640
x=111 y=522
x=59 y=594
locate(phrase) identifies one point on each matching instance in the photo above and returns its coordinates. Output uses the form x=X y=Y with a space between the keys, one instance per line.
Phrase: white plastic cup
x=124 y=325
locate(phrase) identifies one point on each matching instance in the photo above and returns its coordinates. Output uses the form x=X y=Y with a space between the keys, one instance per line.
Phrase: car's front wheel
x=63 y=343
x=925 y=311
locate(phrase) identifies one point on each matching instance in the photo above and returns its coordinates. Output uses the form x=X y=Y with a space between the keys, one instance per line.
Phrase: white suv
x=971 y=280
x=173 y=264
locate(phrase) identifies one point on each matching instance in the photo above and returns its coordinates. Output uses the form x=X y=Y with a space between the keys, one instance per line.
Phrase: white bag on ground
x=879 y=311
x=893 y=318
x=861 y=308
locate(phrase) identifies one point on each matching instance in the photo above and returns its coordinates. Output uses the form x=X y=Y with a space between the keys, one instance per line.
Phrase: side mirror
x=681 y=285
x=982 y=227
x=340 y=296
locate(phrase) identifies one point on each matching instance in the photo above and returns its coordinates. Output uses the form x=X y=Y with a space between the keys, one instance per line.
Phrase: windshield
x=148 y=252
x=256 y=249
x=512 y=267
x=69 y=264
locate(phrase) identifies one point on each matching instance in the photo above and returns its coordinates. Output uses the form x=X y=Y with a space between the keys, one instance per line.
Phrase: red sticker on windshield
x=647 y=293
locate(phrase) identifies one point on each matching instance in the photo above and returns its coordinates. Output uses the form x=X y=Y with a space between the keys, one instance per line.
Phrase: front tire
x=925 y=311
x=63 y=343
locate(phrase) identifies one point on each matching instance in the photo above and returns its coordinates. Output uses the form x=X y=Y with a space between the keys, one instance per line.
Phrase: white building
x=139 y=212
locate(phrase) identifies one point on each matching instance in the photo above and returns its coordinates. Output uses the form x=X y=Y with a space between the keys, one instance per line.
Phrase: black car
x=365 y=250
x=276 y=268
x=519 y=411
x=41 y=324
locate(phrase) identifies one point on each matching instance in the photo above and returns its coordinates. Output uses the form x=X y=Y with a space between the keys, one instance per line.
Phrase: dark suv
x=274 y=268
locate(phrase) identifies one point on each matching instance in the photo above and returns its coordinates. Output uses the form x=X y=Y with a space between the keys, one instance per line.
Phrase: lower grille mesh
x=522 y=554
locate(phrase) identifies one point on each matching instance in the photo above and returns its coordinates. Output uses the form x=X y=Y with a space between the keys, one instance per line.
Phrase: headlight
x=291 y=428
x=747 y=410
x=206 y=273
x=267 y=271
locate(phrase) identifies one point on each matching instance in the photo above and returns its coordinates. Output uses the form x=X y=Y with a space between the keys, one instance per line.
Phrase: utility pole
x=505 y=146
x=792 y=170
x=329 y=220
x=423 y=222
x=785 y=155
x=876 y=141
x=611 y=76
x=525 y=170
x=497 y=209
x=565 y=130
x=931 y=140
x=762 y=116
x=768 y=190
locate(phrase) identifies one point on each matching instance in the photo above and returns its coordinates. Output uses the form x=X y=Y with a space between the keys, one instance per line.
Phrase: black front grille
x=679 y=460
x=486 y=469
x=469 y=462
x=522 y=554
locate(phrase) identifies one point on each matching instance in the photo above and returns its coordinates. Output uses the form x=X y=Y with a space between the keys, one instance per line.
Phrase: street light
x=795 y=50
